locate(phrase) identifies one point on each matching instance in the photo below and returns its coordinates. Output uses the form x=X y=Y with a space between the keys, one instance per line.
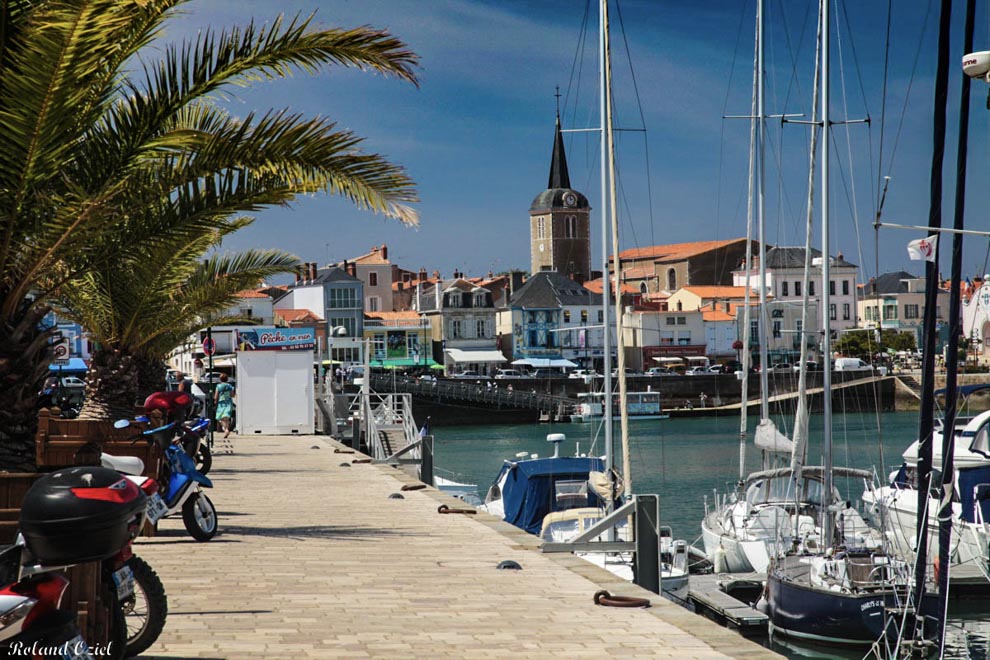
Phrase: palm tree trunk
x=111 y=386
x=24 y=358
x=151 y=376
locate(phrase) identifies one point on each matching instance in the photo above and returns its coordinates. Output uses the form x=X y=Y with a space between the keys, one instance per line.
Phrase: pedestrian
x=702 y=397
x=224 y=399
x=181 y=385
x=510 y=388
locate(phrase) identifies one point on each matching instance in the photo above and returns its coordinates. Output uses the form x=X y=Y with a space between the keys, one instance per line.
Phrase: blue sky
x=476 y=135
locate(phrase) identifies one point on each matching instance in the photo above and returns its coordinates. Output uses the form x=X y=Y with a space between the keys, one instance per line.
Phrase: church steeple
x=559 y=178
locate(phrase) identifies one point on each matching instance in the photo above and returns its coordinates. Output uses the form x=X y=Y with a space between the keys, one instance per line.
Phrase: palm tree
x=138 y=313
x=91 y=141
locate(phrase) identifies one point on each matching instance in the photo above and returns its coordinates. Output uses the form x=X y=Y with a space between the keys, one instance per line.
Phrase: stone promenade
x=315 y=560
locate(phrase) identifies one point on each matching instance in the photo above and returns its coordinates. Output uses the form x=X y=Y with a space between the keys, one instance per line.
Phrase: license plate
x=156 y=508
x=124 y=579
x=77 y=649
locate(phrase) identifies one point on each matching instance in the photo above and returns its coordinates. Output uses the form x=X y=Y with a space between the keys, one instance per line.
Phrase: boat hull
x=802 y=612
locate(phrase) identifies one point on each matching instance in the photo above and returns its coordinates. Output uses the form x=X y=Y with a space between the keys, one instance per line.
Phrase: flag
x=923 y=249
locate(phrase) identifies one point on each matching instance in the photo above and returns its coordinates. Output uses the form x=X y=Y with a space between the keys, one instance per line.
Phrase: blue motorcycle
x=182 y=482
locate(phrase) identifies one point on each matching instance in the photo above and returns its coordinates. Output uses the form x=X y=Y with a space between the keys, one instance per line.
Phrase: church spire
x=559 y=178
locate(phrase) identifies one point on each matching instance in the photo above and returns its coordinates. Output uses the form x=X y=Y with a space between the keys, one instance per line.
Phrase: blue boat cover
x=965 y=390
x=529 y=493
x=969 y=479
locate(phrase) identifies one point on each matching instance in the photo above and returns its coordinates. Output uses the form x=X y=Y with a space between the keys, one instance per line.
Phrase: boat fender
x=443 y=508
x=608 y=600
x=720 y=563
x=413 y=486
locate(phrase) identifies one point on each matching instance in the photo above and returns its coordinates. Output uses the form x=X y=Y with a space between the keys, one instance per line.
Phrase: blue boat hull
x=836 y=618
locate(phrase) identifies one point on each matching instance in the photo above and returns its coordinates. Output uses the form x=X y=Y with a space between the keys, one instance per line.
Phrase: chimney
x=298 y=277
x=422 y=274
x=437 y=294
x=419 y=296
x=407 y=277
x=436 y=275
x=384 y=251
x=351 y=269
x=313 y=269
x=491 y=275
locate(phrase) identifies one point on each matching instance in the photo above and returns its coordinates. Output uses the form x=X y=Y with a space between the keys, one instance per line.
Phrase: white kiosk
x=275 y=380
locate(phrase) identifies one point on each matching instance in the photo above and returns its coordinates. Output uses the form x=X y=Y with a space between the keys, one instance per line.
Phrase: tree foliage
x=108 y=145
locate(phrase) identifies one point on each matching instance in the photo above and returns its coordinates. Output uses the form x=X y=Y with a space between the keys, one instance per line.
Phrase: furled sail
x=768 y=438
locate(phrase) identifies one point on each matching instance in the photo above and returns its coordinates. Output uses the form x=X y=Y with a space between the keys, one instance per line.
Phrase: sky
x=476 y=134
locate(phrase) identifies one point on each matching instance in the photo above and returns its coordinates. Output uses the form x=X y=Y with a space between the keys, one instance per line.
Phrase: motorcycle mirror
x=121 y=424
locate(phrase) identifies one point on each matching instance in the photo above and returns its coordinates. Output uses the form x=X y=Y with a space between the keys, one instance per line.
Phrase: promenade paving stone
x=314 y=560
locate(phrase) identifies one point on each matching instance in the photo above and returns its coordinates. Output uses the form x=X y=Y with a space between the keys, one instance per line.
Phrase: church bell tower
x=560 y=222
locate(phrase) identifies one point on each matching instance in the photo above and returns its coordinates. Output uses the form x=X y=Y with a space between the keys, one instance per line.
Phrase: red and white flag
x=923 y=249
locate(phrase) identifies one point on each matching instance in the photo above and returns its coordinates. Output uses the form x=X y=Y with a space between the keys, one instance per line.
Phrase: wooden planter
x=63 y=443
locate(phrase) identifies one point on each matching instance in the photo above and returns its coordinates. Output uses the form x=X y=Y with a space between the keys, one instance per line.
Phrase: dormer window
x=454 y=300
x=479 y=300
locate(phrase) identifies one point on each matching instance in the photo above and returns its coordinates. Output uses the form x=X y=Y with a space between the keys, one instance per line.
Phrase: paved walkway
x=314 y=560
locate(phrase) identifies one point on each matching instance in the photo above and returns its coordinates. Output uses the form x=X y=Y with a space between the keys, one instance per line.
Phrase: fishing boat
x=639 y=405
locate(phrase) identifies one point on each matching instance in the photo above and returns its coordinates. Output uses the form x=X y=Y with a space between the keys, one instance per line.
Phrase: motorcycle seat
x=125 y=464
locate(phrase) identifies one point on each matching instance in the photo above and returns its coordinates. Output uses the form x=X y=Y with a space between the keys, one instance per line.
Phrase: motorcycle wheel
x=146 y=609
x=200 y=517
x=204 y=459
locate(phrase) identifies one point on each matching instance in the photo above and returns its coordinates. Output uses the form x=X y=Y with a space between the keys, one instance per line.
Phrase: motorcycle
x=181 y=408
x=75 y=515
x=183 y=482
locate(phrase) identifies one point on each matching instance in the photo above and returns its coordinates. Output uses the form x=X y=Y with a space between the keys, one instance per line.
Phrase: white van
x=851 y=364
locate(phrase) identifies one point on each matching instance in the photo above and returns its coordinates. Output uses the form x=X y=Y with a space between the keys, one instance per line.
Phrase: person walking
x=223 y=397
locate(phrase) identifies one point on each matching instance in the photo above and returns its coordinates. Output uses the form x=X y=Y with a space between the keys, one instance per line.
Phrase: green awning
x=395 y=363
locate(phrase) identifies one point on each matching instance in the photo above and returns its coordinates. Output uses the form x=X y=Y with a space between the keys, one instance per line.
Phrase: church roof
x=559 y=191
x=676 y=251
x=551 y=290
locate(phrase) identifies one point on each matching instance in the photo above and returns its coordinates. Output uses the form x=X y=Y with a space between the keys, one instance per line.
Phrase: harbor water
x=686 y=460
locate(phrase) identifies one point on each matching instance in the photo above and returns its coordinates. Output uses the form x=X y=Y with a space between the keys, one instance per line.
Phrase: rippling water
x=685 y=460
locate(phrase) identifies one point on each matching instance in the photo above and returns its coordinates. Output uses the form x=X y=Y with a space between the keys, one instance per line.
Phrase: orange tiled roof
x=295 y=315
x=638 y=272
x=716 y=315
x=707 y=291
x=595 y=286
x=676 y=251
x=407 y=314
x=250 y=293
x=373 y=257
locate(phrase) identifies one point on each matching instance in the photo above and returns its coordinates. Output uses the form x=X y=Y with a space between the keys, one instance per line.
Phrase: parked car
x=696 y=371
x=850 y=364
x=501 y=374
x=809 y=366
x=583 y=373
x=73 y=382
x=660 y=371
x=781 y=368
x=715 y=369
x=629 y=372
x=214 y=377
x=470 y=375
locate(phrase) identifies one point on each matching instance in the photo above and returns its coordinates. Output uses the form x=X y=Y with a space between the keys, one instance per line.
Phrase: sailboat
x=834 y=590
x=765 y=518
x=578 y=498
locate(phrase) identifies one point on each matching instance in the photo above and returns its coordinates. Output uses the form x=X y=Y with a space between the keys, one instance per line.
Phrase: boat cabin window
x=571 y=494
x=781 y=491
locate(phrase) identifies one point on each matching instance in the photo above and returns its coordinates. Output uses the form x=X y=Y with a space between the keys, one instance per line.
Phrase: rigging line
x=845 y=110
x=910 y=86
x=862 y=89
x=721 y=142
x=642 y=119
x=577 y=69
x=794 y=80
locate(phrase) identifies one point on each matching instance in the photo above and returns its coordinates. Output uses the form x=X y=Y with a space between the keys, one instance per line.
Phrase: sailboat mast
x=617 y=266
x=746 y=356
x=761 y=179
x=606 y=335
x=826 y=275
x=952 y=350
